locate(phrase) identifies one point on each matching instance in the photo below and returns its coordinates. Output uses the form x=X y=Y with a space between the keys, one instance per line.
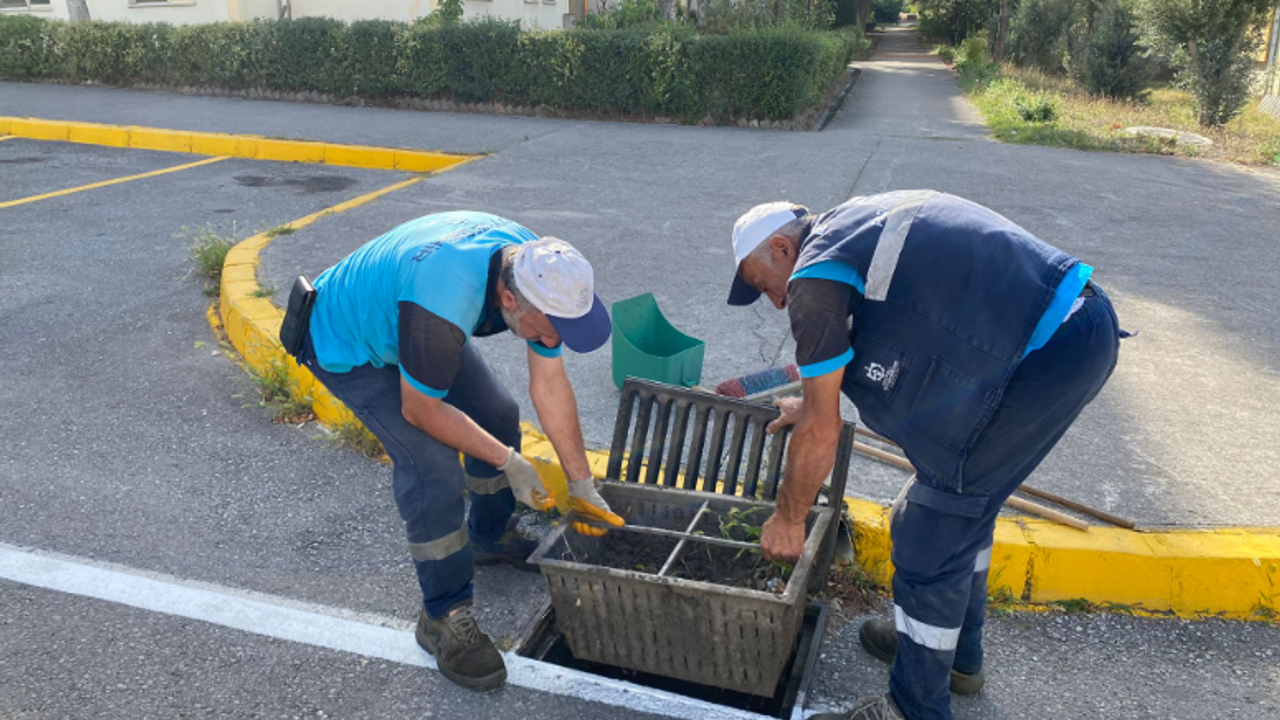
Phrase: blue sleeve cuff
x=425 y=390
x=545 y=351
x=826 y=366
x=833 y=270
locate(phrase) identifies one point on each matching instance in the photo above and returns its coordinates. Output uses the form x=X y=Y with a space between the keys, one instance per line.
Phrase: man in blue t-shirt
x=964 y=339
x=390 y=336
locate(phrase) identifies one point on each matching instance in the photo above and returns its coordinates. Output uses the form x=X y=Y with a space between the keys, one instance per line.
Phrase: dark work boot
x=880 y=639
x=463 y=653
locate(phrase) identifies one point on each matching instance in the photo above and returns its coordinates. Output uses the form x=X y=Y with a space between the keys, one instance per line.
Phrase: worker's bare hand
x=791 y=409
x=781 y=540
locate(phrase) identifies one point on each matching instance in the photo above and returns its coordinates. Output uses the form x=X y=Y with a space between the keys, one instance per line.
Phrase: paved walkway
x=906 y=92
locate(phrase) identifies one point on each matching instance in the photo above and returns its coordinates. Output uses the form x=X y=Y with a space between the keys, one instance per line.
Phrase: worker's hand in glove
x=525 y=482
x=594 y=515
x=791 y=409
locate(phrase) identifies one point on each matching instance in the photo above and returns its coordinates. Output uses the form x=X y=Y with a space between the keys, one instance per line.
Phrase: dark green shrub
x=302 y=55
x=1114 y=63
x=845 y=14
x=221 y=54
x=423 y=65
x=28 y=47
x=887 y=11
x=951 y=21
x=663 y=69
x=1038 y=33
x=371 y=64
x=114 y=53
x=480 y=57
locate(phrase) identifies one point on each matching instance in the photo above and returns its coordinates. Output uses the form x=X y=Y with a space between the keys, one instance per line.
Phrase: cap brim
x=586 y=333
x=742 y=293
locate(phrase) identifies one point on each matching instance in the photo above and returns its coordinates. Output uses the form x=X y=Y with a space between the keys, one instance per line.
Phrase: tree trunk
x=864 y=13
x=79 y=10
x=1002 y=30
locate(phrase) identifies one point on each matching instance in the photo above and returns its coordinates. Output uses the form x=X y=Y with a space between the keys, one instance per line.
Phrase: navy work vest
x=954 y=292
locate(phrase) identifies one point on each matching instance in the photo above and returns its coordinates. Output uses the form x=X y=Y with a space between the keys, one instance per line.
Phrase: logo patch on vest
x=885 y=377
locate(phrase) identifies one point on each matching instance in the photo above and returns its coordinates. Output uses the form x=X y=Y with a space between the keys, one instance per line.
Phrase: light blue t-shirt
x=439 y=263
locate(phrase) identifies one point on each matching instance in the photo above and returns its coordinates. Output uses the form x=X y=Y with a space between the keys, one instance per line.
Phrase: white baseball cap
x=559 y=281
x=753 y=228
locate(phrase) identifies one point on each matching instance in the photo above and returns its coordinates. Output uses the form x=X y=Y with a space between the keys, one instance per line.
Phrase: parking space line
x=252 y=147
x=322 y=627
x=105 y=183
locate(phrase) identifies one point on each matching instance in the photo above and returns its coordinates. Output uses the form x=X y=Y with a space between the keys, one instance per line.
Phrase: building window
x=24 y=4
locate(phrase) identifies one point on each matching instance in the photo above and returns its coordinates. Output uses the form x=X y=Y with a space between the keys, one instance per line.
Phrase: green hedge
x=773 y=73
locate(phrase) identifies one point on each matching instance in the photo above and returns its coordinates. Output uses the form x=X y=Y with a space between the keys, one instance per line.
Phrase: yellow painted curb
x=253 y=147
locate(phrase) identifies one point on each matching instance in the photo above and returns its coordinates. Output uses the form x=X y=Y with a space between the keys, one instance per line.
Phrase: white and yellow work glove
x=591 y=509
x=525 y=482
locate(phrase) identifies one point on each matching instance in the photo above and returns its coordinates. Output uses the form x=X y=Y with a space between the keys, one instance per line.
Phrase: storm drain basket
x=648 y=617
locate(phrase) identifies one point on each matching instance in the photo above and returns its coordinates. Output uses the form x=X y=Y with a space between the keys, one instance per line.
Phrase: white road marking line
x=320 y=626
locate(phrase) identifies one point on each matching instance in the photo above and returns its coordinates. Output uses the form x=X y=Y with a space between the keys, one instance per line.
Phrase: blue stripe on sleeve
x=425 y=390
x=545 y=351
x=1068 y=290
x=819 y=369
x=833 y=270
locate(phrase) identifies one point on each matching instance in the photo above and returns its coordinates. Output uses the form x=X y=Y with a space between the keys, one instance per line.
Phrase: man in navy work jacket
x=390 y=336
x=964 y=339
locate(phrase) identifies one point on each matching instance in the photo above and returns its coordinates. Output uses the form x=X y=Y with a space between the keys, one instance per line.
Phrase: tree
x=954 y=20
x=1215 y=40
x=79 y=10
x=1038 y=32
x=1113 y=62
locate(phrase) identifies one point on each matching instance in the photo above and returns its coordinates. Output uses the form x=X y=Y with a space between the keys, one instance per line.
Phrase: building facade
x=544 y=14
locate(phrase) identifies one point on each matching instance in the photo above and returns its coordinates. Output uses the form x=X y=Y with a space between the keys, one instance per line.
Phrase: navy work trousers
x=942 y=536
x=428 y=479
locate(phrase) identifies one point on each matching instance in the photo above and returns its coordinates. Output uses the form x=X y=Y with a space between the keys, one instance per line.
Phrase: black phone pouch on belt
x=297 y=316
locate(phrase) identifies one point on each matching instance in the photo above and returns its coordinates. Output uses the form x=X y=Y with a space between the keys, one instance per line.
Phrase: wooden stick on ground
x=1018 y=503
x=1013 y=502
x=1078 y=507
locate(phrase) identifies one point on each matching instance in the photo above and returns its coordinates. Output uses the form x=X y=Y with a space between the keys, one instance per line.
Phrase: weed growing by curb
x=209 y=250
x=279 y=230
x=264 y=291
x=351 y=433
x=278 y=390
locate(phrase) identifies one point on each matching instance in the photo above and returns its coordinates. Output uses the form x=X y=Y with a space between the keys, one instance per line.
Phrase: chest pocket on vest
x=952 y=407
x=877 y=368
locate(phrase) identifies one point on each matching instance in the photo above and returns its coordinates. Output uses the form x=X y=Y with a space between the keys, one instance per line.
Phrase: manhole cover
x=1178 y=136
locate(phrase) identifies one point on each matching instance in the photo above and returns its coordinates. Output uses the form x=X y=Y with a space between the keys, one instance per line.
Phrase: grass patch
x=264 y=291
x=352 y=434
x=279 y=230
x=278 y=390
x=209 y=248
x=1002 y=602
x=1002 y=94
x=850 y=591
